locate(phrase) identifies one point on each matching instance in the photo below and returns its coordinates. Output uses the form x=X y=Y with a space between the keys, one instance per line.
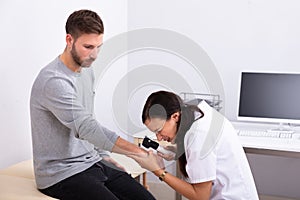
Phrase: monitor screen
x=269 y=97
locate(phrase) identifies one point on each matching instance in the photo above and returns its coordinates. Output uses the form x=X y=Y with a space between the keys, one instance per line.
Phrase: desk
x=275 y=162
x=269 y=146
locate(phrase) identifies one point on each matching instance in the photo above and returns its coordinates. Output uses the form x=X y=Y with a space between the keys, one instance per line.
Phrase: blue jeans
x=99 y=182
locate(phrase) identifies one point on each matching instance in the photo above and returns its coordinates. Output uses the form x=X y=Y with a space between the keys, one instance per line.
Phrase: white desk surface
x=269 y=146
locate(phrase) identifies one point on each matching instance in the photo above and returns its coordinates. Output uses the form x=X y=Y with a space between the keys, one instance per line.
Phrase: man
x=69 y=145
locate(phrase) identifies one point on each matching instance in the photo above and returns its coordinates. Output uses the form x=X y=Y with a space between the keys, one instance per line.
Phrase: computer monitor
x=269 y=97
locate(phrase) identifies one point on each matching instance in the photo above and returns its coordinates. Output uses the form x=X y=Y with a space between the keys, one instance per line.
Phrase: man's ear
x=69 y=40
x=175 y=116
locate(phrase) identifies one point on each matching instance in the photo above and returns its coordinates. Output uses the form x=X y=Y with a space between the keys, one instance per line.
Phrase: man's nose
x=94 y=53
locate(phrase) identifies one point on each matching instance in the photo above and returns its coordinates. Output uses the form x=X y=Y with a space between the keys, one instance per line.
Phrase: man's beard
x=78 y=61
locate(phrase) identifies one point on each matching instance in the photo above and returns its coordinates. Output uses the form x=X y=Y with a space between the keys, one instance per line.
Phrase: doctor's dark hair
x=84 y=22
x=163 y=104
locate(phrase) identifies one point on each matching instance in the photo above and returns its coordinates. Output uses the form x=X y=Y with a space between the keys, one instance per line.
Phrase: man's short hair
x=84 y=22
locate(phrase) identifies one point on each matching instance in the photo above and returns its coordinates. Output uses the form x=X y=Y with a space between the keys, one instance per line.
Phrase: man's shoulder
x=51 y=67
x=52 y=76
x=54 y=70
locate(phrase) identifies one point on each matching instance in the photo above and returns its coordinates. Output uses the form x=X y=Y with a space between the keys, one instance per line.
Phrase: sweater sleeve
x=64 y=101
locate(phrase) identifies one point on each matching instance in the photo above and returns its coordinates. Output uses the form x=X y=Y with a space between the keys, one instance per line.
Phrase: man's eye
x=89 y=47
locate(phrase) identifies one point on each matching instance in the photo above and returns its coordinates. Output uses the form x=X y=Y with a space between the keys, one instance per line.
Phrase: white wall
x=236 y=34
x=32 y=34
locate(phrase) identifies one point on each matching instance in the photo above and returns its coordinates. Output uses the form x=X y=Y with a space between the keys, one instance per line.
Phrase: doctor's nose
x=158 y=136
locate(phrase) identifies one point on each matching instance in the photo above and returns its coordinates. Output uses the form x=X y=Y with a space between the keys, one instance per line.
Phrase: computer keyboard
x=267 y=134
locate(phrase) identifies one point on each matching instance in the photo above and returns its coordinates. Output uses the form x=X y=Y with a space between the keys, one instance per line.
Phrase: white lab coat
x=214 y=153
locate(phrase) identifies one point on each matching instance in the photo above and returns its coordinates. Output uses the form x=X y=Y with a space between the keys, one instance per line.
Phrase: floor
x=162 y=191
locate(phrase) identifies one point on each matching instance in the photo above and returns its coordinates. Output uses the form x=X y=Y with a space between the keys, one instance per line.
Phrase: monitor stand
x=282 y=128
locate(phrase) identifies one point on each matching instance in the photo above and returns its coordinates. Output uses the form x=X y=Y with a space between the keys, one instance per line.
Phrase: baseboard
x=269 y=197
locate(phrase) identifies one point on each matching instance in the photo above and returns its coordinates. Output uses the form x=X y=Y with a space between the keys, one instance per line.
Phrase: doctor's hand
x=166 y=156
x=151 y=161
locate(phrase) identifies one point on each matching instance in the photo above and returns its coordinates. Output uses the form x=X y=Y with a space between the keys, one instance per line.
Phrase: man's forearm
x=124 y=147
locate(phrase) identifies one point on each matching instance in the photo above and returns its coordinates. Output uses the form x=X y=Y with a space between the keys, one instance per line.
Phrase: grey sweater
x=66 y=138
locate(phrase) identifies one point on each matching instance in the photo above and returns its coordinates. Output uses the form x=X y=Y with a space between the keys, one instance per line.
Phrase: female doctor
x=211 y=159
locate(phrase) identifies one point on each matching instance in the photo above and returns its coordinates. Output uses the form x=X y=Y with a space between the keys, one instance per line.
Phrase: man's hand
x=150 y=161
